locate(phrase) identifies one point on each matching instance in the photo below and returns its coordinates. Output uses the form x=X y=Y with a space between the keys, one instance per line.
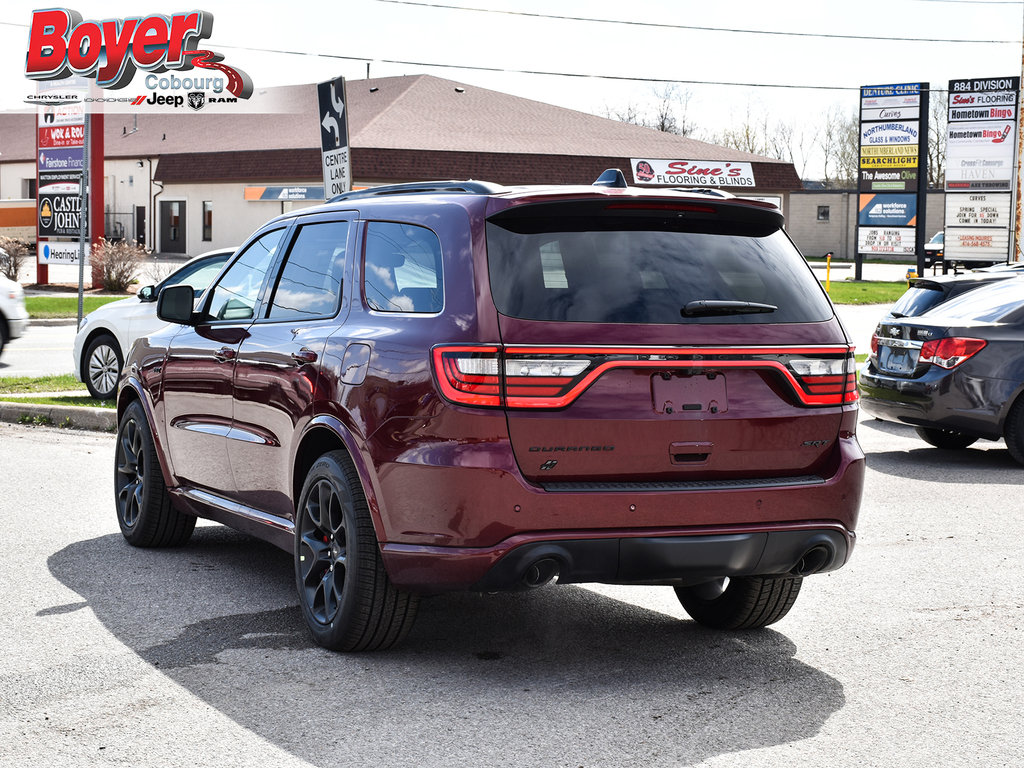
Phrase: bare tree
x=840 y=145
x=783 y=141
x=938 y=118
x=669 y=113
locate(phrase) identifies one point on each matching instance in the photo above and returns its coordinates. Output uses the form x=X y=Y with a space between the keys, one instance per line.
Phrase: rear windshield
x=916 y=301
x=643 y=269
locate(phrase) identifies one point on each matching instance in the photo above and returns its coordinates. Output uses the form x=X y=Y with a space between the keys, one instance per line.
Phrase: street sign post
x=334 y=151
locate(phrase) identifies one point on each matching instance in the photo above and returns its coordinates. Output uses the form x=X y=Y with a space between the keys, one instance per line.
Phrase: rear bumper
x=623 y=557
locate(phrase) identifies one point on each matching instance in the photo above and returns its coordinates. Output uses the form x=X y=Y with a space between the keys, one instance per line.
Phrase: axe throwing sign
x=334 y=137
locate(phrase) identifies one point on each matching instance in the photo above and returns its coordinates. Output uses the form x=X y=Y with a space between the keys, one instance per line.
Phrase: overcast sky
x=655 y=40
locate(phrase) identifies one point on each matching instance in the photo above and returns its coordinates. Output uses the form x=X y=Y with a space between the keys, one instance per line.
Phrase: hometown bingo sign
x=61 y=44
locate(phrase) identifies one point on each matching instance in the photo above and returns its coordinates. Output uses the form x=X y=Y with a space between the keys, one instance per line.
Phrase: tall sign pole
x=980 y=167
x=1015 y=253
x=893 y=173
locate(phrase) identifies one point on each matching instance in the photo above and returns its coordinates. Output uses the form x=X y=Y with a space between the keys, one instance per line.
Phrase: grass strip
x=59 y=307
x=66 y=382
x=865 y=291
x=75 y=400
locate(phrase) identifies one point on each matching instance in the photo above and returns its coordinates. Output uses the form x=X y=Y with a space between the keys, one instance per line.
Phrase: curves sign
x=60 y=44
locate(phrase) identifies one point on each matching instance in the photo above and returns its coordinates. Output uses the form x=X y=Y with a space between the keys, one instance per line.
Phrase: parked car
x=13 y=315
x=462 y=386
x=107 y=333
x=955 y=373
x=927 y=293
x=933 y=249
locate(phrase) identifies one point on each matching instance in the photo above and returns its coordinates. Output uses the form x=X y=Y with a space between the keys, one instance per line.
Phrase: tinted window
x=402 y=269
x=310 y=283
x=235 y=295
x=916 y=301
x=605 y=269
x=198 y=275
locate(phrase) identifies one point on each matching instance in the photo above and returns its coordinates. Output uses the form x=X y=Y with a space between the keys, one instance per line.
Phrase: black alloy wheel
x=347 y=600
x=144 y=510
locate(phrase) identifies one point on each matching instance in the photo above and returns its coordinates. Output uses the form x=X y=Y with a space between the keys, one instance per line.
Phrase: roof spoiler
x=422 y=187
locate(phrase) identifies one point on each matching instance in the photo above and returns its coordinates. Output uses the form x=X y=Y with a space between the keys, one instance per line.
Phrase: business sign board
x=61 y=253
x=59 y=215
x=334 y=150
x=897 y=241
x=284 y=193
x=981 y=164
x=892 y=148
x=887 y=211
x=692 y=173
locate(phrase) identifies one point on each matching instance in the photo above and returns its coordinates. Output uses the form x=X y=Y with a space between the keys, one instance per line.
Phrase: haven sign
x=692 y=173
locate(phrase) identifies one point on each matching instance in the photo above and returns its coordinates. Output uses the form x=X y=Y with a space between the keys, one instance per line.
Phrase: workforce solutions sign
x=892 y=145
x=981 y=144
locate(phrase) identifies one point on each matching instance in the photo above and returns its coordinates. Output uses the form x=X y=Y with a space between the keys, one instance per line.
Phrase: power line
x=659 y=25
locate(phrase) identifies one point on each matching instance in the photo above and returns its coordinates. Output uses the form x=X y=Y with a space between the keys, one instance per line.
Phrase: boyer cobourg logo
x=61 y=44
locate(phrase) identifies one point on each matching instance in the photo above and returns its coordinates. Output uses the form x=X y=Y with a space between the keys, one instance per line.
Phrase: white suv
x=13 y=315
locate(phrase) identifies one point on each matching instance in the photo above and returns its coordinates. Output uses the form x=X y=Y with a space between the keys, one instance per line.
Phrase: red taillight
x=874 y=345
x=553 y=377
x=828 y=380
x=949 y=353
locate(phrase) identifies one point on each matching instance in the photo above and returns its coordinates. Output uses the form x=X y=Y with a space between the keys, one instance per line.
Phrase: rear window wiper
x=717 y=307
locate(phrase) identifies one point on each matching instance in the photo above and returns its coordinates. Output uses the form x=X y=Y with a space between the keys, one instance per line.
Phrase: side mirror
x=174 y=304
x=147 y=294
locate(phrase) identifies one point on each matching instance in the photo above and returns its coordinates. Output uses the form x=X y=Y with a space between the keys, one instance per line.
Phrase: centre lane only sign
x=334 y=149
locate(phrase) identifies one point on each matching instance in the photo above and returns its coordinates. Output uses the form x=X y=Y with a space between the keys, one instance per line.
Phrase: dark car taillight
x=553 y=377
x=950 y=352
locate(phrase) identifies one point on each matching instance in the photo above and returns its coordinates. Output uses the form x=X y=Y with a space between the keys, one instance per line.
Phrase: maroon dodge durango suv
x=464 y=386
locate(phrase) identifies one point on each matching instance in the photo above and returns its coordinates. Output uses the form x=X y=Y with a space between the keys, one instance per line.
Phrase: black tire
x=347 y=600
x=1013 y=430
x=101 y=366
x=949 y=439
x=3 y=334
x=144 y=509
x=747 y=602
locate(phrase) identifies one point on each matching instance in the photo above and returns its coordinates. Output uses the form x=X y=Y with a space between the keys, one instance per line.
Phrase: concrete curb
x=53 y=321
x=71 y=416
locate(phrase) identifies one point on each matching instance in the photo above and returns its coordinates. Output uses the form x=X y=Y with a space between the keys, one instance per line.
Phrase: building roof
x=390 y=119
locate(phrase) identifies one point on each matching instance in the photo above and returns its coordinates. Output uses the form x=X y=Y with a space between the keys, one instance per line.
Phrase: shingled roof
x=400 y=128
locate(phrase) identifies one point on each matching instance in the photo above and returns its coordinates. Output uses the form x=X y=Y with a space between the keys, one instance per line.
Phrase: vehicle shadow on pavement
x=560 y=675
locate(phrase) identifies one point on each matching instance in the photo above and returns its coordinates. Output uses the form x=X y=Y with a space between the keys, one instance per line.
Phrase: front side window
x=402 y=268
x=310 y=283
x=236 y=294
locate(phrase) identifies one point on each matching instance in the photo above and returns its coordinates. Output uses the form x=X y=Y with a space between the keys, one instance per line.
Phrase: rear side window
x=310 y=283
x=646 y=269
x=402 y=268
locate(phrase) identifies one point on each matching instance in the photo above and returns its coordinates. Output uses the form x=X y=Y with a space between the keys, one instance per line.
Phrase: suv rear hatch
x=658 y=341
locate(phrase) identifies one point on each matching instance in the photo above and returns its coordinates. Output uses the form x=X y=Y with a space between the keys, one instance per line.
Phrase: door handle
x=224 y=354
x=304 y=355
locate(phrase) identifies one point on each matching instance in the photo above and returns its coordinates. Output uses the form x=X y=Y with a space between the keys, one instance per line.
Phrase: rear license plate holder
x=678 y=395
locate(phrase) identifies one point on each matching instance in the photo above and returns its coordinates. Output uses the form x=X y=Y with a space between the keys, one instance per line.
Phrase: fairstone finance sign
x=692 y=173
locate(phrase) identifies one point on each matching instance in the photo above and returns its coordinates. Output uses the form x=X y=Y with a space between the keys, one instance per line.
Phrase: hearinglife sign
x=981 y=164
x=893 y=171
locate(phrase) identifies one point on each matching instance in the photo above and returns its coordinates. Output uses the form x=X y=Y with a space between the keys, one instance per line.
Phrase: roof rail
x=422 y=187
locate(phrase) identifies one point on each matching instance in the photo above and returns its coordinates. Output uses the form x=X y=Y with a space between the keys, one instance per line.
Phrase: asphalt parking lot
x=114 y=656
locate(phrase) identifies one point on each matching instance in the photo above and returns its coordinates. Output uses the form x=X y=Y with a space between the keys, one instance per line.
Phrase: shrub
x=119 y=262
x=13 y=257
